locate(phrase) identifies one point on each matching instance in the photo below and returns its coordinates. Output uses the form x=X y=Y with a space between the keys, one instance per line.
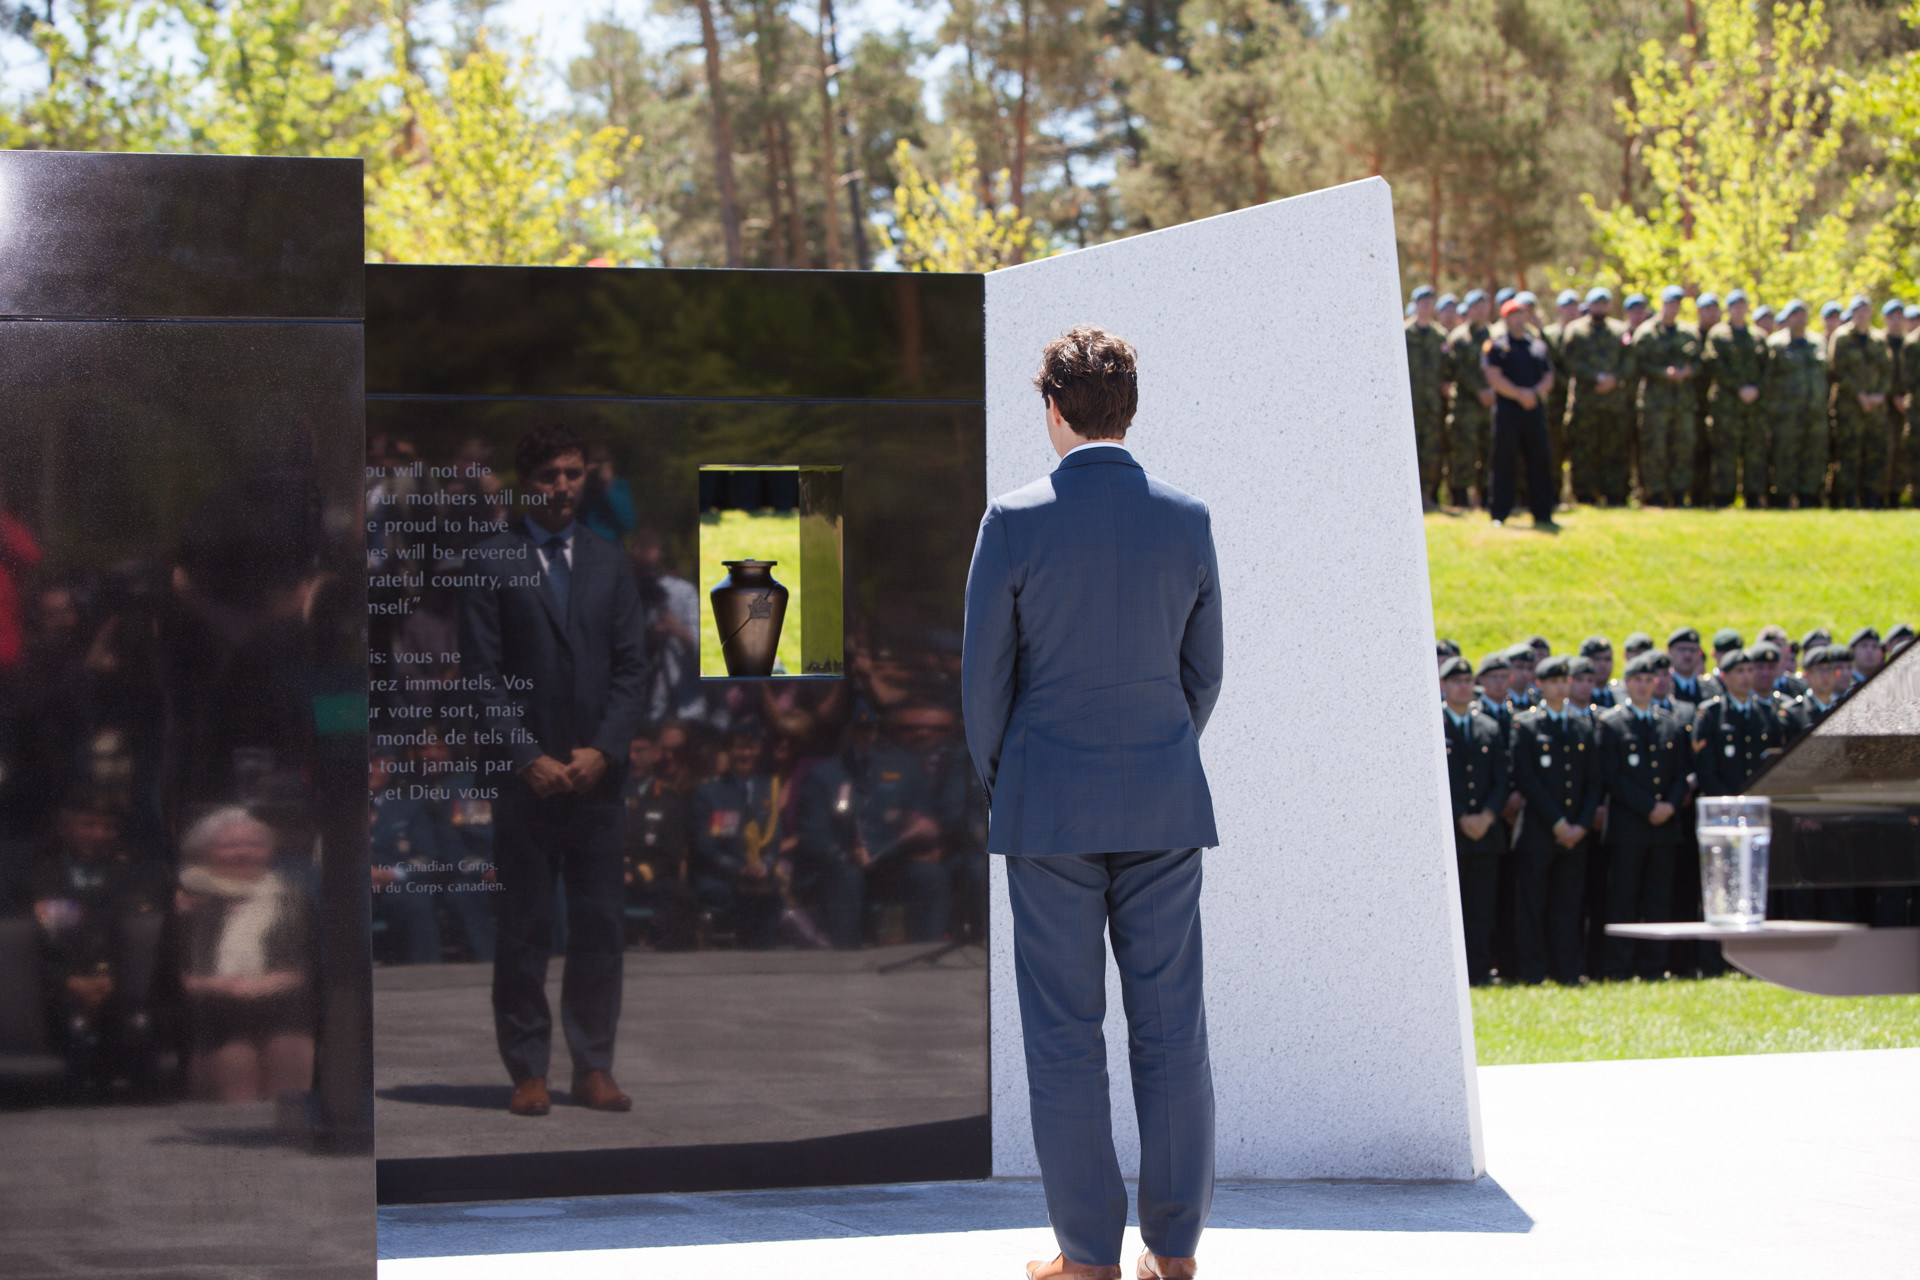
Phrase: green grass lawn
x=749 y=535
x=1614 y=572
x=1734 y=1014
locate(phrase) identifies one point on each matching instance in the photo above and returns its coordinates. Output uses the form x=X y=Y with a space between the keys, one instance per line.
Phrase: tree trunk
x=722 y=138
x=1019 y=176
x=829 y=164
x=856 y=176
x=1433 y=243
x=763 y=53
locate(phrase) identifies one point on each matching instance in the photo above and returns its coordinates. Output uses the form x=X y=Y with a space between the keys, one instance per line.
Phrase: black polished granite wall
x=184 y=1019
x=802 y=867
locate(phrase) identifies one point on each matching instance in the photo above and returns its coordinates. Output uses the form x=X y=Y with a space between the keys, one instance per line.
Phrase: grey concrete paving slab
x=1788 y=1166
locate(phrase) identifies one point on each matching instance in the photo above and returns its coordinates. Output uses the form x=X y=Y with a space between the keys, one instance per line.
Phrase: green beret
x=1446 y=649
x=1815 y=638
x=1899 y=631
x=1828 y=655
x=1661 y=660
x=1551 y=668
x=1645 y=664
x=1455 y=667
x=1726 y=638
x=1638 y=642
x=1862 y=635
x=1683 y=635
x=1764 y=651
x=1494 y=662
x=1579 y=665
x=1522 y=652
x=1597 y=644
x=1734 y=658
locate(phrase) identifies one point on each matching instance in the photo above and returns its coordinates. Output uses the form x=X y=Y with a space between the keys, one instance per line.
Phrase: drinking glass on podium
x=1736 y=834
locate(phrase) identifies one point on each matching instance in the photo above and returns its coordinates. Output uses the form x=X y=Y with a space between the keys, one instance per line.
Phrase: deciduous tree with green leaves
x=1739 y=142
x=947 y=225
x=493 y=178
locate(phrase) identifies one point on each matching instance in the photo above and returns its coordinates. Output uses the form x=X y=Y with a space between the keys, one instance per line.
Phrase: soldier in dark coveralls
x=1556 y=767
x=1646 y=756
x=1477 y=778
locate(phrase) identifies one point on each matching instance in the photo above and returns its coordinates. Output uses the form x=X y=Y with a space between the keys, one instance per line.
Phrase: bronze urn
x=748 y=607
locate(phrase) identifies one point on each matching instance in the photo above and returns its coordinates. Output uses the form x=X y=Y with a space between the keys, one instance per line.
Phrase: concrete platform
x=1788 y=1165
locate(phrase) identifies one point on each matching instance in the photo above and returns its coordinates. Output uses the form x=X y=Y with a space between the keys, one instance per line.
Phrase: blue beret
x=1858 y=301
x=1526 y=299
x=1635 y=300
x=1424 y=291
x=1599 y=293
x=1912 y=312
x=1567 y=298
x=1737 y=295
x=1798 y=304
x=1707 y=299
x=1447 y=300
x=1473 y=296
x=1829 y=309
x=1502 y=294
x=1672 y=293
x=1409 y=311
x=1892 y=305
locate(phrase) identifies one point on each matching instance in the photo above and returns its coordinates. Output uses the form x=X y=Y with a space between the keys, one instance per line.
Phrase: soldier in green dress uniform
x=1706 y=314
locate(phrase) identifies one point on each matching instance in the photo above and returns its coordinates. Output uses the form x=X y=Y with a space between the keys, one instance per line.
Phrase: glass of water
x=1736 y=833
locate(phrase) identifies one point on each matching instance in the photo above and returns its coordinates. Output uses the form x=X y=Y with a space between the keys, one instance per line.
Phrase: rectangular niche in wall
x=770 y=567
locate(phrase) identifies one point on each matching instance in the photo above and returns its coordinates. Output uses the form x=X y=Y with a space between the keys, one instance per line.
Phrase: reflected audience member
x=672 y=609
x=658 y=841
x=412 y=841
x=918 y=811
x=831 y=857
x=246 y=961
x=606 y=507
x=99 y=911
x=736 y=818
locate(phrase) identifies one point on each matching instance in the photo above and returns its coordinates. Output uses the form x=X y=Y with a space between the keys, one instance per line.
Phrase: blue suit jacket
x=577 y=680
x=1092 y=660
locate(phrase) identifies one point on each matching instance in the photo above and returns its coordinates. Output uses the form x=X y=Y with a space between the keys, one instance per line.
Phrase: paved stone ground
x=195 y=1191
x=714 y=1047
x=1787 y=1165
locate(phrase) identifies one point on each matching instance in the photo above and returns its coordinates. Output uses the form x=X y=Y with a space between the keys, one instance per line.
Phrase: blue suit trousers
x=1148 y=904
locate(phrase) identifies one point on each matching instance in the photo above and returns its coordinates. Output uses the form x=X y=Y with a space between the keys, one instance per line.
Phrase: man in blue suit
x=553 y=643
x=1092 y=660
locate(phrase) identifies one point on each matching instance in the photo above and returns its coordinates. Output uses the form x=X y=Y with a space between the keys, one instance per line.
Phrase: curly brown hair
x=543 y=444
x=1089 y=375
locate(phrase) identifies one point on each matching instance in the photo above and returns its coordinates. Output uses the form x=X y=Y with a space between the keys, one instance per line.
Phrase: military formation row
x=1740 y=401
x=1573 y=791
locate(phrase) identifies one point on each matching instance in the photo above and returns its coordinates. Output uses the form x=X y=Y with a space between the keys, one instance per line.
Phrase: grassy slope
x=1615 y=572
x=1734 y=1014
x=740 y=535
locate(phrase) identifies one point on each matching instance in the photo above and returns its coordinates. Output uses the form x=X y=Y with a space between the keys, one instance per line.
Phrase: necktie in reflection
x=559 y=573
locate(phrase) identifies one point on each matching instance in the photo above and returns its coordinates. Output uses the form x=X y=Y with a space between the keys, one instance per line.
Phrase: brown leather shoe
x=1154 y=1267
x=530 y=1098
x=1064 y=1268
x=597 y=1091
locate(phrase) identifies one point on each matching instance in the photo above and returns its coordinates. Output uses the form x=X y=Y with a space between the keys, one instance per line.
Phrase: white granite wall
x=1273 y=385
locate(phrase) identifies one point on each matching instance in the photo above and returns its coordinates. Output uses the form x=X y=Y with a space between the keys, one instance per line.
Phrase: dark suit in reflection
x=565 y=669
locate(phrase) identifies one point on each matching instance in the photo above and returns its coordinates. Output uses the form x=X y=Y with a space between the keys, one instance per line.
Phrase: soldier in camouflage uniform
x=1568 y=307
x=1735 y=363
x=1911 y=398
x=1861 y=378
x=1894 y=329
x=1666 y=355
x=1600 y=410
x=1471 y=423
x=1795 y=394
x=1706 y=314
x=1425 y=347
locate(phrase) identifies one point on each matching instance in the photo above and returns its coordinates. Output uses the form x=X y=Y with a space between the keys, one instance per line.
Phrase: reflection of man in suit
x=556 y=637
x=1092 y=660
